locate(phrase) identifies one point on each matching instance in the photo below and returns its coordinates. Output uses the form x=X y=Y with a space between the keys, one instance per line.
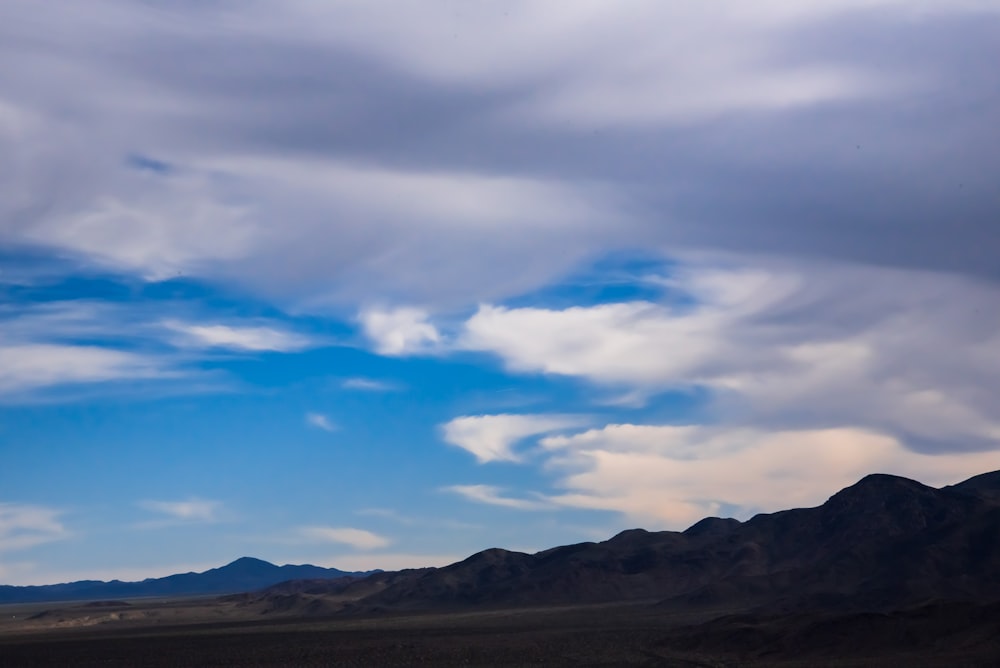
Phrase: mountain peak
x=712 y=526
x=984 y=482
x=245 y=561
x=885 y=504
x=248 y=565
x=880 y=485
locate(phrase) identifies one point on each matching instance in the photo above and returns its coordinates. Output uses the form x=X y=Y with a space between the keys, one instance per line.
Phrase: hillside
x=244 y=574
x=884 y=543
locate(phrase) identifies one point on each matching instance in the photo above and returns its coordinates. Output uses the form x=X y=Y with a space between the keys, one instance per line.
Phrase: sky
x=379 y=285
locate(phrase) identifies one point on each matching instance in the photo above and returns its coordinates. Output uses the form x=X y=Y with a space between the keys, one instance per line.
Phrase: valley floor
x=216 y=632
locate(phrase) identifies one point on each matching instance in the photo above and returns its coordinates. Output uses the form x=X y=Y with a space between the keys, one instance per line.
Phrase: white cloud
x=50 y=344
x=368 y=385
x=493 y=496
x=320 y=421
x=400 y=331
x=491 y=438
x=159 y=227
x=238 y=337
x=634 y=343
x=831 y=346
x=190 y=510
x=671 y=476
x=31 y=366
x=814 y=378
x=359 y=539
x=23 y=526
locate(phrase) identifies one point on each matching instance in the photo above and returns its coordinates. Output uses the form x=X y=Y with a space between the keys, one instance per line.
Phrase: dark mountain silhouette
x=244 y=574
x=884 y=543
x=887 y=572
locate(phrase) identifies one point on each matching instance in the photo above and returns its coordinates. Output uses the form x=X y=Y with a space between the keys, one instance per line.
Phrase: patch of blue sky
x=620 y=276
x=146 y=163
x=617 y=277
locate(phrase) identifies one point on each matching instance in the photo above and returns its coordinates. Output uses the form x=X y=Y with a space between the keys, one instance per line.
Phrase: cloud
x=160 y=228
x=64 y=343
x=491 y=438
x=253 y=339
x=400 y=331
x=493 y=496
x=23 y=526
x=359 y=539
x=612 y=127
x=190 y=510
x=49 y=344
x=368 y=385
x=783 y=347
x=671 y=476
x=320 y=421
x=33 y=366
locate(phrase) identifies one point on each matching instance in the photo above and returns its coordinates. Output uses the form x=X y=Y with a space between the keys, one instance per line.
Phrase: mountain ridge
x=885 y=542
x=240 y=575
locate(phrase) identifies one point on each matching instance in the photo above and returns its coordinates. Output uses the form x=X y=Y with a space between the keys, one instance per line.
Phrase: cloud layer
x=908 y=353
x=674 y=475
x=23 y=526
x=821 y=125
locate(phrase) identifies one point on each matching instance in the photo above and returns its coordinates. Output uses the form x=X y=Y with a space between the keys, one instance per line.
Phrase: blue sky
x=382 y=285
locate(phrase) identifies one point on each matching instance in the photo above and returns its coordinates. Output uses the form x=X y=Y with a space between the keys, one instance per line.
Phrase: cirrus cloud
x=23 y=526
x=359 y=539
x=491 y=438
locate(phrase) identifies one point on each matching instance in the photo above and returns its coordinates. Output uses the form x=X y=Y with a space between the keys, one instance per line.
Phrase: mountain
x=244 y=574
x=884 y=543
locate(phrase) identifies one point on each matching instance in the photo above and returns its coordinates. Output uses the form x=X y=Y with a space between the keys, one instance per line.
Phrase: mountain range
x=244 y=574
x=884 y=543
x=886 y=572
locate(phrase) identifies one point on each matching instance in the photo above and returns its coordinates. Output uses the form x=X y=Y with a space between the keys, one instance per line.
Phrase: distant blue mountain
x=244 y=574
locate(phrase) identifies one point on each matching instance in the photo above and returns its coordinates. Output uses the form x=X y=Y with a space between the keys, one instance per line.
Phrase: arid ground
x=222 y=632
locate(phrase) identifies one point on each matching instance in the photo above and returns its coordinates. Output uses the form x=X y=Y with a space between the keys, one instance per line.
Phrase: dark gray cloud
x=836 y=131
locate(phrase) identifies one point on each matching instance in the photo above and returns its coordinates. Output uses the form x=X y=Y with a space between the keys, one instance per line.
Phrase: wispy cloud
x=23 y=526
x=369 y=385
x=492 y=437
x=320 y=421
x=238 y=337
x=182 y=512
x=359 y=539
x=56 y=349
x=33 y=366
x=494 y=496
